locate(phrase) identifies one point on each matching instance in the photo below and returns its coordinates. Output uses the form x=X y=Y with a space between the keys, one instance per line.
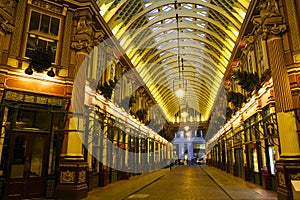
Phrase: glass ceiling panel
x=204 y=36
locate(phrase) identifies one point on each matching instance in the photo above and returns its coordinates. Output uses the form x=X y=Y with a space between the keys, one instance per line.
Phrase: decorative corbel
x=81 y=45
x=84 y=26
x=273 y=30
x=265 y=33
x=98 y=37
x=278 y=29
x=269 y=8
x=6 y=27
x=249 y=39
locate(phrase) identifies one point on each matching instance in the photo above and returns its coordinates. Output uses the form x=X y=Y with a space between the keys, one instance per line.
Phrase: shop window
x=255 y=161
x=33 y=119
x=29 y=117
x=43 y=32
x=37 y=156
x=272 y=159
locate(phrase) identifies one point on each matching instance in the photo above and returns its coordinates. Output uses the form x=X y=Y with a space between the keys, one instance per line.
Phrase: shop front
x=31 y=144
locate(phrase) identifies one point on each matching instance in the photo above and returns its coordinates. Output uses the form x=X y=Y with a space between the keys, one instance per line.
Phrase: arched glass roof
x=203 y=34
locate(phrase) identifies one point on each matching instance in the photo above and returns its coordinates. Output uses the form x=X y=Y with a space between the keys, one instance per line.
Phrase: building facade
x=189 y=145
x=260 y=140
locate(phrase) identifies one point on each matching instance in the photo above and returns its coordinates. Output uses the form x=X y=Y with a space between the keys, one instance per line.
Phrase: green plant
x=229 y=113
x=141 y=114
x=106 y=89
x=236 y=98
x=247 y=80
x=41 y=58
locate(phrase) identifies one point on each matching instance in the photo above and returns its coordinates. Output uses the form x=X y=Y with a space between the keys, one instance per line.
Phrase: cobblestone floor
x=183 y=182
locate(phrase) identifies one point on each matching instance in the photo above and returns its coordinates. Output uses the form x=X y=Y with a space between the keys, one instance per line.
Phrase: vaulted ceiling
x=183 y=43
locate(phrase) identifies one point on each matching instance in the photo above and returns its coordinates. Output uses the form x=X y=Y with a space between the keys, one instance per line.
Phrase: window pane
x=25 y=119
x=19 y=150
x=42 y=120
x=37 y=156
x=31 y=43
x=42 y=44
x=18 y=163
x=54 y=26
x=34 y=21
x=45 y=23
x=53 y=46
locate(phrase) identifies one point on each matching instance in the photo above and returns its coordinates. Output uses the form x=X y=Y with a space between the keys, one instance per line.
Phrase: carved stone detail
x=6 y=27
x=84 y=26
x=270 y=21
x=82 y=176
x=295 y=176
x=85 y=37
x=281 y=179
x=7 y=5
x=80 y=45
x=48 y=6
x=273 y=30
x=98 y=37
x=278 y=29
x=269 y=8
x=249 y=39
x=67 y=177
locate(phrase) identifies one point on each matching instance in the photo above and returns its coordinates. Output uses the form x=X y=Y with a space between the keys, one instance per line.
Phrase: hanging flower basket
x=41 y=59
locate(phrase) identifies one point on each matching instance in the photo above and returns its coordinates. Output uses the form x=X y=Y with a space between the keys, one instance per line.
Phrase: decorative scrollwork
x=85 y=35
x=269 y=8
x=6 y=27
x=278 y=29
x=80 y=45
x=84 y=26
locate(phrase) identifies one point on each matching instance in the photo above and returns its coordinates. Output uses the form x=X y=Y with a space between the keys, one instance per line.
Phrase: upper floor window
x=43 y=32
x=259 y=55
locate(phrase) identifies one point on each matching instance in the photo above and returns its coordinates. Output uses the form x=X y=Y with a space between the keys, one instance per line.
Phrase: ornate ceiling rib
x=147 y=31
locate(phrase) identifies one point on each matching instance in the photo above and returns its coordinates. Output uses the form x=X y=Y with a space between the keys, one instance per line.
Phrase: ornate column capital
x=275 y=30
x=270 y=21
x=86 y=36
x=5 y=26
x=249 y=39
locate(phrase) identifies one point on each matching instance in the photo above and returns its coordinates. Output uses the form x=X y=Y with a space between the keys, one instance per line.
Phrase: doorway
x=26 y=165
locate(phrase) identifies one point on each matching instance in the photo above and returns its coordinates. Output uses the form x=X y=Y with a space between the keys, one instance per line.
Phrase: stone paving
x=183 y=182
